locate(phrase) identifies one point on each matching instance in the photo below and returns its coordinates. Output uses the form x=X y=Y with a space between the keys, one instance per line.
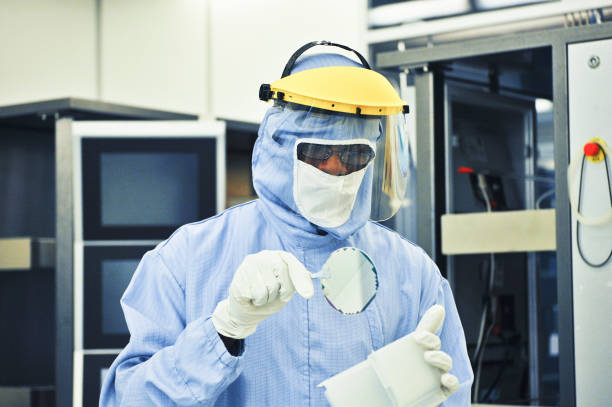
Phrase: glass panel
x=500 y=158
x=116 y=275
x=546 y=262
x=149 y=188
x=405 y=220
x=489 y=136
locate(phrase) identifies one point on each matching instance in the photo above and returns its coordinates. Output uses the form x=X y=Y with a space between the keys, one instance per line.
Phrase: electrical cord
x=542 y=197
x=578 y=223
x=571 y=173
x=497 y=377
x=481 y=332
x=482 y=185
x=483 y=335
x=479 y=363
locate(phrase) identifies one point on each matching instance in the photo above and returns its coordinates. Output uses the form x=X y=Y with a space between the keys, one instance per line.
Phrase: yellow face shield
x=344 y=89
x=359 y=96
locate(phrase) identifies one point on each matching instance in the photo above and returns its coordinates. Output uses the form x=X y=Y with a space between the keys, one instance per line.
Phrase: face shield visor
x=391 y=167
x=341 y=144
x=344 y=120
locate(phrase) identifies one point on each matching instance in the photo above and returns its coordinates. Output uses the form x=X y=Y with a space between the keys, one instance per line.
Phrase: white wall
x=153 y=54
x=46 y=50
x=251 y=42
x=206 y=57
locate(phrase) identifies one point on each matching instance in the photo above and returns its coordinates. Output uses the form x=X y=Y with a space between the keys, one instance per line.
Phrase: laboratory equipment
x=493 y=4
x=349 y=280
x=132 y=184
x=388 y=13
x=94 y=368
x=37 y=328
x=589 y=90
x=108 y=271
x=489 y=133
x=595 y=151
x=488 y=103
x=145 y=188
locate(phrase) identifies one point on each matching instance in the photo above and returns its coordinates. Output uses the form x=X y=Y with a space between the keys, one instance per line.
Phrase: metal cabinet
x=36 y=275
x=127 y=186
x=514 y=109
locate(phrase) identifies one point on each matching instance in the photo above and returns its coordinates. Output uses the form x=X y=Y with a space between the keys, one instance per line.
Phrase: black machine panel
x=107 y=273
x=95 y=368
x=490 y=167
x=143 y=188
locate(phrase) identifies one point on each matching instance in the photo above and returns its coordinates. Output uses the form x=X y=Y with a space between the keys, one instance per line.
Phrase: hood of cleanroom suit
x=273 y=163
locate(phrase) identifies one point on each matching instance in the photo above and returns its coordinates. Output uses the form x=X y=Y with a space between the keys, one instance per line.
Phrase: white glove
x=261 y=286
x=425 y=336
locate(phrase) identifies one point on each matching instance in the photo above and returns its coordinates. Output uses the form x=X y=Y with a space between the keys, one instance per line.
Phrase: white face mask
x=324 y=199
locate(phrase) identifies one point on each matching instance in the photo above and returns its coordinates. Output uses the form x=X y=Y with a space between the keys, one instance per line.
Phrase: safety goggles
x=353 y=156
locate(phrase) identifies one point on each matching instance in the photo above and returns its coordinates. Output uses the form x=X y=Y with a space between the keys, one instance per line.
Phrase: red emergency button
x=591 y=149
x=465 y=170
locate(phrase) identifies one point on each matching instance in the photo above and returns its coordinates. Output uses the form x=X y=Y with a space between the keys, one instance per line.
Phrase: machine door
x=142 y=180
x=496 y=161
x=95 y=369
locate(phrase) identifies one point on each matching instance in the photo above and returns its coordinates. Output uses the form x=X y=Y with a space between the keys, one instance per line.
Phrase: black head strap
x=296 y=55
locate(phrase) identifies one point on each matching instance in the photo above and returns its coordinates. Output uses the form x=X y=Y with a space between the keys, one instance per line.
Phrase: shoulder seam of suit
x=200 y=222
x=225 y=211
x=163 y=262
x=394 y=232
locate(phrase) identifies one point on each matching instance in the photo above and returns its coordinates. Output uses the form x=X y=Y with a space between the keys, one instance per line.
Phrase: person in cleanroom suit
x=212 y=313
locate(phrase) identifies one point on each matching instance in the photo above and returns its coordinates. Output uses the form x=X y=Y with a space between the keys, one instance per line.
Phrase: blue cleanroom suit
x=175 y=356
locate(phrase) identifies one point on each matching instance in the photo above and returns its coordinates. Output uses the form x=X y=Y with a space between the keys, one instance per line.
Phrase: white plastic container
x=395 y=376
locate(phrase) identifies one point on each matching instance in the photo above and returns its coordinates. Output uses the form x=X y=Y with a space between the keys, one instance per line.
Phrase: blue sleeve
x=167 y=362
x=436 y=290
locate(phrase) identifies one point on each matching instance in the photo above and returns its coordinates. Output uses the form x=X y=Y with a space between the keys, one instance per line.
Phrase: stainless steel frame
x=64 y=263
x=558 y=40
x=425 y=172
x=85 y=109
x=529 y=17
